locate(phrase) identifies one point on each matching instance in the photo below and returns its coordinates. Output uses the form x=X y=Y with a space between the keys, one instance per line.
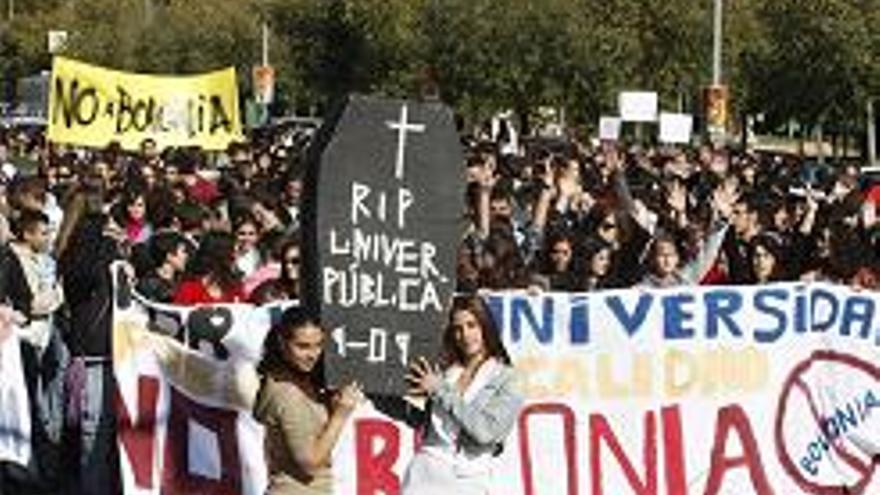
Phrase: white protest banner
x=15 y=414
x=186 y=381
x=638 y=106
x=609 y=128
x=705 y=390
x=676 y=128
x=710 y=390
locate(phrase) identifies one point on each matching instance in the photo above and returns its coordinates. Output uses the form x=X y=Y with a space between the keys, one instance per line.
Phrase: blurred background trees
x=814 y=61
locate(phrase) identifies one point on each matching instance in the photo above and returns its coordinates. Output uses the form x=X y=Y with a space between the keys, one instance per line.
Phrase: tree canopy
x=811 y=61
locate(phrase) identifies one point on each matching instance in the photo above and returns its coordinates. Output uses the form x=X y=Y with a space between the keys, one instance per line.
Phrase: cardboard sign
x=609 y=128
x=638 y=106
x=382 y=233
x=264 y=83
x=715 y=99
x=676 y=128
x=56 y=41
x=92 y=106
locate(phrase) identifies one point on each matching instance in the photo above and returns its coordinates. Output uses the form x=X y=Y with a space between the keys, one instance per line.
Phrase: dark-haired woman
x=92 y=243
x=473 y=403
x=131 y=214
x=593 y=265
x=766 y=253
x=213 y=279
x=303 y=421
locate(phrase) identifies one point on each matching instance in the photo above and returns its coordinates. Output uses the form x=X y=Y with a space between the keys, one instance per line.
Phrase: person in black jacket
x=84 y=265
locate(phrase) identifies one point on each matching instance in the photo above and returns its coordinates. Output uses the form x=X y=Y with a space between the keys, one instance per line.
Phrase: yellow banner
x=94 y=106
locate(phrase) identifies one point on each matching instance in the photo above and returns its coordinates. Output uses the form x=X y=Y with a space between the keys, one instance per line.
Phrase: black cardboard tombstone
x=381 y=230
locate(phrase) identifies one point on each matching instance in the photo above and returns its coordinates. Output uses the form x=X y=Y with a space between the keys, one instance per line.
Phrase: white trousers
x=431 y=475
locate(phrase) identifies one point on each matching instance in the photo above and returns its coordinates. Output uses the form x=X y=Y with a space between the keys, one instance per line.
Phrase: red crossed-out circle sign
x=795 y=383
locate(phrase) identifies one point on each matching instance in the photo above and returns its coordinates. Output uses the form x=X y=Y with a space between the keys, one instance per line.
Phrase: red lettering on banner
x=177 y=476
x=375 y=470
x=600 y=432
x=568 y=424
x=673 y=449
x=138 y=438
x=734 y=418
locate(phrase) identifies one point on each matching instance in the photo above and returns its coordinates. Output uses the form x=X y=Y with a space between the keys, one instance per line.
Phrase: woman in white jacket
x=472 y=406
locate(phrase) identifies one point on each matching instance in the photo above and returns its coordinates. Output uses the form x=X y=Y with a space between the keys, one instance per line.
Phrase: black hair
x=164 y=243
x=130 y=194
x=773 y=243
x=214 y=258
x=274 y=360
x=191 y=216
x=27 y=220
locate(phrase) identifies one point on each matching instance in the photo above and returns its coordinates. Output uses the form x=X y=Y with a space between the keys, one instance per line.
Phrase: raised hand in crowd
x=613 y=161
x=676 y=197
x=583 y=202
x=484 y=176
x=568 y=186
x=723 y=198
x=677 y=200
x=811 y=208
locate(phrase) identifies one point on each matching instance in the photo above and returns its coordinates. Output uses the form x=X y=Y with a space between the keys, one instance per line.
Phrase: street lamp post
x=872 y=134
x=265 y=50
x=716 y=42
x=715 y=96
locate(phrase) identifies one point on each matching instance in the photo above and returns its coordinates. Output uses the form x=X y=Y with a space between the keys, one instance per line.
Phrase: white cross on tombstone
x=402 y=127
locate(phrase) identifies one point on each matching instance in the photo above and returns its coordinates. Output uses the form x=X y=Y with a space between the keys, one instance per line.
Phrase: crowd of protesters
x=194 y=231
x=556 y=215
x=566 y=217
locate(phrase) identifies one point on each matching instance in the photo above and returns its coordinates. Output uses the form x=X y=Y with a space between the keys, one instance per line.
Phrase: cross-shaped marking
x=402 y=127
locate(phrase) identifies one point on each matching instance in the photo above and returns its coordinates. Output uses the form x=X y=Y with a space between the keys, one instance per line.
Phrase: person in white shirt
x=31 y=249
x=473 y=403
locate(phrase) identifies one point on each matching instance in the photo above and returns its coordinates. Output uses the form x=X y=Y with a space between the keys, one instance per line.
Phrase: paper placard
x=56 y=41
x=638 y=106
x=676 y=128
x=609 y=128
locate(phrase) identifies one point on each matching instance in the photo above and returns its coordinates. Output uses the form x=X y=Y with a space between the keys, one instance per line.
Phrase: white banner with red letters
x=698 y=390
x=186 y=382
x=707 y=391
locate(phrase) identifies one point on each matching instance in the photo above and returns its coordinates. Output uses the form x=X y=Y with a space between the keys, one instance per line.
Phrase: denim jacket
x=485 y=421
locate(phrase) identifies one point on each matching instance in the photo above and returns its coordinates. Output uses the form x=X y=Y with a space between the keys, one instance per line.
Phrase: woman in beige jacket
x=303 y=421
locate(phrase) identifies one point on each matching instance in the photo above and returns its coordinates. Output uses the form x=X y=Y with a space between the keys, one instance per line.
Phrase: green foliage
x=817 y=62
x=810 y=60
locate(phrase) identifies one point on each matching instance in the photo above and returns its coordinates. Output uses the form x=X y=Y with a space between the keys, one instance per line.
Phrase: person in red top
x=213 y=278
